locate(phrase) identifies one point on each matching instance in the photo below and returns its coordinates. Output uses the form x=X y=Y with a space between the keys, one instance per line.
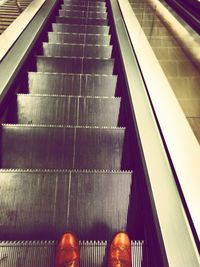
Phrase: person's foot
x=119 y=254
x=68 y=251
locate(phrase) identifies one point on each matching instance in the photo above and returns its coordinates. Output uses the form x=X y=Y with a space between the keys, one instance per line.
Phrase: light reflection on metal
x=182 y=145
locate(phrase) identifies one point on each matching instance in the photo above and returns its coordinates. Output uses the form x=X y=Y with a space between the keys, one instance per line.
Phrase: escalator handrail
x=190 y=13
x=15 y=58
x=12 y=33
x=173 y=229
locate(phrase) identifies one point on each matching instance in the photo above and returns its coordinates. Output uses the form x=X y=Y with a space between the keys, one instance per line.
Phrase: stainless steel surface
x=72 y=84
x=63 y=110
x=85 y=3
x=75 y=65
x=86 y=14
x=81 y=21
x=42 y=204
x=61 y=147
x=59 y=27
x=60 y=177
x=79 y=38
x=77 y=50
x=176 y=241
x=83 y=8
x=92 y=253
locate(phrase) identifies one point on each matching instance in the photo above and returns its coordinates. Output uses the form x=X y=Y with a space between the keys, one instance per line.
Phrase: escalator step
x=84 y=3
x=62 y=147
x=92 y=253
x=63 y=110
x=77 y=50
x=84 y=8
x=74 y=84
x=85 y=14
x=81 y=21
x=70 y=28
x=75 y=65
x=84 y=202
x=78 y=38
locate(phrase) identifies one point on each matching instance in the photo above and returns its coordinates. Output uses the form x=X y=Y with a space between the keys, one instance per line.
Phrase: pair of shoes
x=68 y=252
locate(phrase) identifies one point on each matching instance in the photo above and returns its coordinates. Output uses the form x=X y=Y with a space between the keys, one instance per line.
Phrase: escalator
x=9 y=11
x=65 y=146
x=81 y=149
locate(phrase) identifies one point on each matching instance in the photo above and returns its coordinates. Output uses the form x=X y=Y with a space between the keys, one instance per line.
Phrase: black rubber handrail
x=188 y=10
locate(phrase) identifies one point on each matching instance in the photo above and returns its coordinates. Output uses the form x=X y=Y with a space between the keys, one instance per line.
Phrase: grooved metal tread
x=79 y=38
x=82 y=21
x=77 y=65
x=72 y=84
x=93 y=253
x=86 y=14
x=85 y=3
x=75 y=201
x=77 y=50
x=63 y=147
x=83 y=8
x=62 y=164
x=82 y=28
x=73 y=110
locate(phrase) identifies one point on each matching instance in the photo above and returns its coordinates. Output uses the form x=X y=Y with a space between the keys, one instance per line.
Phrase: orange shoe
x=68 y=251
x=119 y=254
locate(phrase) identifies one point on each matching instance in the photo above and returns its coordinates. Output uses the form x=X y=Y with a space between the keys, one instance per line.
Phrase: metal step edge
x=91 y=252
x=87 y=11
x=78 y=8
x=107 y=26
x=64 y=171
x=82 y=23
x=69 y=96
x=60 y=126
x=76 y=5
x=86 y=18
x=66 y=57
x=75 y=44
x=53 y=243
x=74 y=33
x=85 y=3
x=73 y=74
